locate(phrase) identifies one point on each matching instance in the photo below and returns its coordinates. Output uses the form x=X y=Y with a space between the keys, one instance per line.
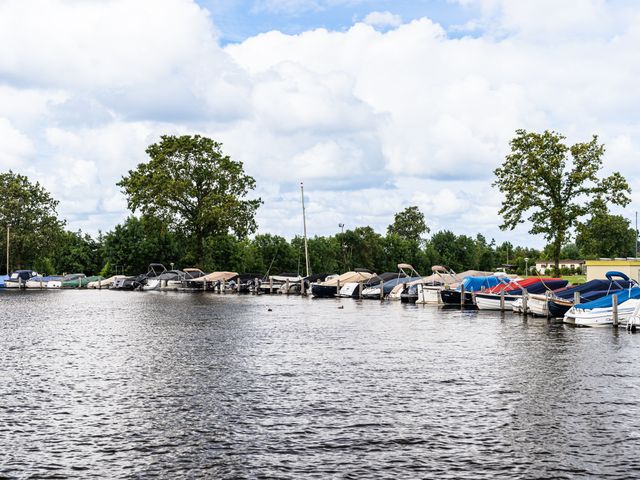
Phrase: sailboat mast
x=304 y=223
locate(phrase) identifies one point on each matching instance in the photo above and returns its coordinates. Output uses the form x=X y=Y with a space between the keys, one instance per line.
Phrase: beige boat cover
x=348 y=277
x=215 y=276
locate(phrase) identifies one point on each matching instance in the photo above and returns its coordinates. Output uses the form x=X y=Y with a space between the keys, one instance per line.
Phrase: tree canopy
x=31 y=212
x=193 y=187
x=606 y=235
x=409 y=224
x=555 y=185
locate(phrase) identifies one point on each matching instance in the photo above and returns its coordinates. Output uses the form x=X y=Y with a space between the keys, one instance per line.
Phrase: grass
x=575 y=279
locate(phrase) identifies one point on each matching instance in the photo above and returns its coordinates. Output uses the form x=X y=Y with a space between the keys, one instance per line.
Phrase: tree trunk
x=556 y=257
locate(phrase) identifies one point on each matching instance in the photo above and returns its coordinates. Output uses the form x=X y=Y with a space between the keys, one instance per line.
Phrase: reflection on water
x=114 y=384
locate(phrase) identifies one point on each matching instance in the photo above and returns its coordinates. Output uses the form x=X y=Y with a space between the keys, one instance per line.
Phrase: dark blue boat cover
x=605 y=302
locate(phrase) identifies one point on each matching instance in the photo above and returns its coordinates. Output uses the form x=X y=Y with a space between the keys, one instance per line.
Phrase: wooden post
x=287 y=286
x=525 y=300
x=501 y=299
x=614 y=309
x=576 y=298
x=360 y=290
x=473 y=297
x=79 y=282
x=270 y=285
x=302 y=290
x=462 y=293
x=338 y=288
x=381 y=290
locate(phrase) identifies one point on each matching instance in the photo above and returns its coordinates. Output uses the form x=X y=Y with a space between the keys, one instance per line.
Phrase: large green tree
x=195 y=188
x=554 y=184
x=409 y=224
x=31 y=212
x=606 y=235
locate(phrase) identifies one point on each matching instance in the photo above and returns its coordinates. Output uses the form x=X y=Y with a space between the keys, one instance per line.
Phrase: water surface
x=117 y=384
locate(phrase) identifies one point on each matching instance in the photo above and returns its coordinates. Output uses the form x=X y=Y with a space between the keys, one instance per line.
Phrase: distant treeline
x=135 y=243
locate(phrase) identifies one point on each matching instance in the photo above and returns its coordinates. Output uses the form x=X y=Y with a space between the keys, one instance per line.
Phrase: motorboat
x=105 y=282
x=406 y=273
x=71 y=280
x=329 y=288
x=494 y=298
x=471 y=284
x=40 y=282
x=599 y=313
x=279 y=283
x=211 y=281
x=559 y=303
x=353 y=289
x=151 y=277
x=2 y=280
x=19 y=278
x=128 y=283
x=246 y=282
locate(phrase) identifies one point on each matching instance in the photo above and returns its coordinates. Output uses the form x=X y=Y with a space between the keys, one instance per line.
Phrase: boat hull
x=600 y=317
x=429 y=295
x=491 y=301
x=324 y=291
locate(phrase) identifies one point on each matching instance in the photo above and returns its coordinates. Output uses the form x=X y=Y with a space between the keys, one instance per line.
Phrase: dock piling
x=462 y=293
x=502 y=300
x=614 y=309
x=525 y=301
x=381 y=290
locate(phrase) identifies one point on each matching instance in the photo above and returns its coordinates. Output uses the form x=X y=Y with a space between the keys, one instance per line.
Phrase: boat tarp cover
x=2 y=279
x=215 y=276
x=595 y=286
x=348 y=277
x=383 y=277
x=519 y=284
x=475 y=284
x=606 y=302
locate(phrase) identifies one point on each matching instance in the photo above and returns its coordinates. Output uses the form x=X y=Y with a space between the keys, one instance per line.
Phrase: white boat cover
x=106 y=282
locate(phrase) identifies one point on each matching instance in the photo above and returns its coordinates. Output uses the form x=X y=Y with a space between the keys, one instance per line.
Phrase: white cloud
x=373 y=120
x=383 y=19
x=15 y=146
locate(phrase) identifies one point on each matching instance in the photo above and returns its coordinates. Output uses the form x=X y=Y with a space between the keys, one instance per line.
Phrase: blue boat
x=599 y=312
x=471 y=284
x=2 y=279
x=562 y=301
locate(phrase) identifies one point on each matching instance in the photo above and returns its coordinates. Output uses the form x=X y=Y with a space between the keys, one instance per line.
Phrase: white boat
x=428 y=288
x=538 y=304
x=19 y=278
x=105 y=283
x=349 y=290
x=38 y=282
x=390 y=280
x=599 y=313
x=492 y=301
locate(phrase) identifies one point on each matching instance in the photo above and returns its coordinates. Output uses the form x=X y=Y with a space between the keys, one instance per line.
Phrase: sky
x=375 y=105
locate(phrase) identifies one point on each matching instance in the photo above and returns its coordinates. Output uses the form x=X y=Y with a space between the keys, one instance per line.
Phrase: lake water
x=116 y=384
